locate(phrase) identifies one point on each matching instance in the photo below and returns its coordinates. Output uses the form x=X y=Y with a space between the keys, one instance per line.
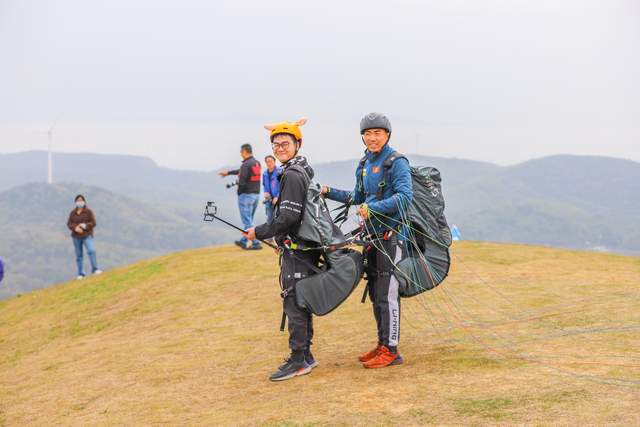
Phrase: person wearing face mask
x=81 y=222
x=380 y=206
x=286 y=140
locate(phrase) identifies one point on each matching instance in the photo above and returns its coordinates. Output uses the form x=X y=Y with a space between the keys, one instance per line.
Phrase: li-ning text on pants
x=383 y=289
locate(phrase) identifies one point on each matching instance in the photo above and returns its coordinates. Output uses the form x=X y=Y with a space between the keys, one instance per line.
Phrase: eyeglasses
x=280 y=145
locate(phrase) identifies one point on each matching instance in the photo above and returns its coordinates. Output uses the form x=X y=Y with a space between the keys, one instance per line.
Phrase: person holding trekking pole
x=286 y=141
x=383 y=188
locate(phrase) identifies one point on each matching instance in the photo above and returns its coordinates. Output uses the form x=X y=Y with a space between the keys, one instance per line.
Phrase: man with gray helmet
x=381 y=195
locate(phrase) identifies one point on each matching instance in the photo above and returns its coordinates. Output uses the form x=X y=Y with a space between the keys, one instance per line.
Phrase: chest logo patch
x=375 y=169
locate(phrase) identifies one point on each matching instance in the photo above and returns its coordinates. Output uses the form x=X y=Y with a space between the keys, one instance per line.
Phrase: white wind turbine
x=49 y=134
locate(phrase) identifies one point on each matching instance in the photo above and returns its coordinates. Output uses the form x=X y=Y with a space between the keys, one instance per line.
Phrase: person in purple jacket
x=270 y=185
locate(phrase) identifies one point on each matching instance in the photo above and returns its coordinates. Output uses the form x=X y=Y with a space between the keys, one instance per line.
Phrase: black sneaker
x=255 y=247
x=311 y=361
x=290 y=369
x=398 y=360
x=241 y=244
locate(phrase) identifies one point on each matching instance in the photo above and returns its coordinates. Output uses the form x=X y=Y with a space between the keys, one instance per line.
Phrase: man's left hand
x=250 y=234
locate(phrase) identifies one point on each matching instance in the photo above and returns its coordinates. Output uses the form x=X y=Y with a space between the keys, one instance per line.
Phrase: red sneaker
x=365 y=357
x=383 y=359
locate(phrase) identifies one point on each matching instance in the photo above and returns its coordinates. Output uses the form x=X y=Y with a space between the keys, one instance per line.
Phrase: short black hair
x=247 y=148
x=269 y=157
x=293 y=138
x=80 y=196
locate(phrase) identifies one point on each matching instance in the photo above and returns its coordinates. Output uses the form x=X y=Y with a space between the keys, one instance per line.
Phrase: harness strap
x=364 y=294
x=292 y=246
x=305 y=262
x=363 y=160
x=381 y=273
x=283 y=321
x=386 y=167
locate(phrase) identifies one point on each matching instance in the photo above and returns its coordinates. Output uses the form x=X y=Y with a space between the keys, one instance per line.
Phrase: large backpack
x=426 y=261
x=324 y=291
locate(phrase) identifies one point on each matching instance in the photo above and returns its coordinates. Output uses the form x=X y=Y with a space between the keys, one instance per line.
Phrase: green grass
x=101 y=289
x=494 y=409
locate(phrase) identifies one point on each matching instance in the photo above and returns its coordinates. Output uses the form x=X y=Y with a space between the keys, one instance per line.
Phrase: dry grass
x=518 y=334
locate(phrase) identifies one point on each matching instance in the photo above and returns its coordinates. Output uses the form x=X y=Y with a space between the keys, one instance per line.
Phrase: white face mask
x=80 y=204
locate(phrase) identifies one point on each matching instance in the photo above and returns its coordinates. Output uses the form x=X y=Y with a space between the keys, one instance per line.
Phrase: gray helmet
x=375 y=121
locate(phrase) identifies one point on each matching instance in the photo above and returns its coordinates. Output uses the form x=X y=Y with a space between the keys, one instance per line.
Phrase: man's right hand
x=79 y=230
x=325 y=189
x=223 y=173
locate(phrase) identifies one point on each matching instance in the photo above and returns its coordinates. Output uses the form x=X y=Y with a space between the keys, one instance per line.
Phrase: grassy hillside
x=517 y=334
x=36 y=244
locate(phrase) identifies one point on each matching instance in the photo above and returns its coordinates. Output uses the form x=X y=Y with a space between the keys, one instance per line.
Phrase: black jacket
x=293 y=187
x=248 y=176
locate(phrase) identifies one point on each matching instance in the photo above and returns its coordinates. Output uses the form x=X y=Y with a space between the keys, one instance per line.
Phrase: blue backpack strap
x=386 y=170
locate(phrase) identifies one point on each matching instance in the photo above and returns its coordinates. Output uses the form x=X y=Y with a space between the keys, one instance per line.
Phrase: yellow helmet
x=289 y=128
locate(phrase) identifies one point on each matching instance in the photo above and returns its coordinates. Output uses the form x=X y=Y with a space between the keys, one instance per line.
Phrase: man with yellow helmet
x=286 y=140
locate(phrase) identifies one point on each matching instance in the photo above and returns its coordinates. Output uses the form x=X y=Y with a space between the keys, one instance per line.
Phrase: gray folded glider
x=324 y=292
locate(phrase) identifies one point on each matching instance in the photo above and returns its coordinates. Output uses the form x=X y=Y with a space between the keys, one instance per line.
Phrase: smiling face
x=375 y=139
x=271 y=163
x=284 y=147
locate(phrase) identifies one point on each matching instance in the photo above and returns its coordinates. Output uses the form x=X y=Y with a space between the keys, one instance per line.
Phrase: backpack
x=317 y=225
x=343 y=268
x=425 y=263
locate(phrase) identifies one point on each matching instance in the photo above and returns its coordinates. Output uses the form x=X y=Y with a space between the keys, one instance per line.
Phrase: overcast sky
x=186 y=82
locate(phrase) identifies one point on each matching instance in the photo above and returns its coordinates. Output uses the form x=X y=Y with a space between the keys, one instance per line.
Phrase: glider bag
x=428 y=260
x=324 y=292
x=423 y=271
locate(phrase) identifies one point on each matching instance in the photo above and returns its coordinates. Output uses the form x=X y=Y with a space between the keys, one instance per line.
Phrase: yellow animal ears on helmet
x=290 y=128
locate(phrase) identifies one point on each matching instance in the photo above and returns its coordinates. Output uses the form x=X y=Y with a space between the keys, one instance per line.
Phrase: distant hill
x=133 y=176
x=516 y=335
x=37 y=247
x=570 y=201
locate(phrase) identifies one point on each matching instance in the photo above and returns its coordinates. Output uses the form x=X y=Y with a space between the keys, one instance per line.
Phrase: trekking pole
x=210 y=213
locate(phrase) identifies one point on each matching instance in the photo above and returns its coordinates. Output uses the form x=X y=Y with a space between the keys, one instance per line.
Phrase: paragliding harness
x=425 y=261
x=341 y=269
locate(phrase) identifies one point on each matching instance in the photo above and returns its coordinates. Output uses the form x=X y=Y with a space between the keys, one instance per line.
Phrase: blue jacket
x=270 y=183
x=398 y=190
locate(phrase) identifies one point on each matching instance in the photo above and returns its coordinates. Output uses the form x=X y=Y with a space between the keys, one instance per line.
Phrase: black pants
x=300 y=320
x=383 y=289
